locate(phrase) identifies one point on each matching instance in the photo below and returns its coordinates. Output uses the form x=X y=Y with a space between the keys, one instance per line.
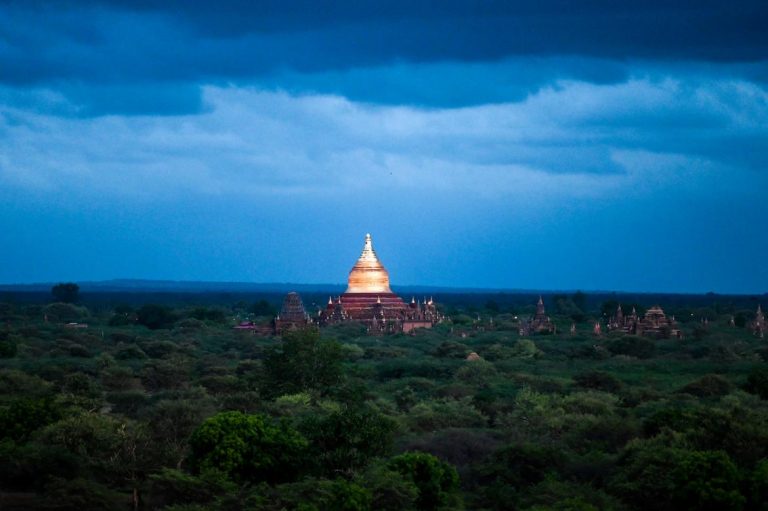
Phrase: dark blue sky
x=548 y=145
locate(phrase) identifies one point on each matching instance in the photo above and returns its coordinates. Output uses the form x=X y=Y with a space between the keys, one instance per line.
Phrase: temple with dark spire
x=623 y=323
x=370 y=301
x=540 y=323
x=292 y=315
x=758 y=325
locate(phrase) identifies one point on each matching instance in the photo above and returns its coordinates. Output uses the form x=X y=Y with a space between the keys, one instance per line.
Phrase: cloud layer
x=118 y=57
x=259 y=141
x=498 y=144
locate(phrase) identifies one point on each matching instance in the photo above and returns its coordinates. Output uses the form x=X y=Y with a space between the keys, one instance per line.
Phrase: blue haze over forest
x=526 y=145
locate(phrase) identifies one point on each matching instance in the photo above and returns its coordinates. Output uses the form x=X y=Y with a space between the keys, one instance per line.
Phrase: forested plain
x=128 y=401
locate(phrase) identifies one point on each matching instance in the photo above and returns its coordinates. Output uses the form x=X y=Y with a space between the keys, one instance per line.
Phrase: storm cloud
x=194 y=140
x=122 y=49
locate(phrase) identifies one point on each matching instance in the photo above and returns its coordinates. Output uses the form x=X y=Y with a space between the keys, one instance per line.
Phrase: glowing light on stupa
x=368 y=275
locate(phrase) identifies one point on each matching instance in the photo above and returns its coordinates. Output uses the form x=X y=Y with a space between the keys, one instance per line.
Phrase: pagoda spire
x=368 y=254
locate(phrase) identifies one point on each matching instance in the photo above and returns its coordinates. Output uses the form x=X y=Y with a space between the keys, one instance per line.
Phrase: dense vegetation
x=165 y=406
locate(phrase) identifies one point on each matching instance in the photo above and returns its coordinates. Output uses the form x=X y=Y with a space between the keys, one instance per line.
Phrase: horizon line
x=442 y=288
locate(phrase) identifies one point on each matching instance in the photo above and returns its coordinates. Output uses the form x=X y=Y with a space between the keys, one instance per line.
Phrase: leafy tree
x=310 y=494
x=18 y=383
x=643 y=476
x=26 y=415
x=405 y=399
x=128 y=403
x=477 y=372
x=757 y=483
x=654 y=476
x=80 y=384
x=445 y=413
x=66 y=292
x=513 y=469
x=555 y=495
x=304 y=362
x=437 y=482
x=112 y=450
x=706 y=481
x=129 y=352
x=171 y=423
x=174 y=487
x=166 y=374
x=525 y=348
x=248 y=448
x=348 y=439
x=390 y=490
x=673 y=418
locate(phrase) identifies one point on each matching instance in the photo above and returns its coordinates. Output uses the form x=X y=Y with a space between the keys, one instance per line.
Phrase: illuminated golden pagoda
x=369 y=300
x=368 y=275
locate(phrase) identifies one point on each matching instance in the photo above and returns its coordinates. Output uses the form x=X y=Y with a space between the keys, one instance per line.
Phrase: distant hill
x=175 y=286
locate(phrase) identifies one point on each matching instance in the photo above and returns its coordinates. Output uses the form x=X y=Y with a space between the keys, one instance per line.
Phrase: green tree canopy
x=248 y=448
x=303 y=362
x=437 y=482
x=349 y=438
x=24 y=416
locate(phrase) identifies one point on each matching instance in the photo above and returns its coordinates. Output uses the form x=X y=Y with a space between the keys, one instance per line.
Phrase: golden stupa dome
x=368 y=274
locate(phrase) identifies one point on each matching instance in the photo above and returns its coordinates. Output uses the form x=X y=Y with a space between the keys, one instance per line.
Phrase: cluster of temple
x=368 y=300
x=654 y=323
